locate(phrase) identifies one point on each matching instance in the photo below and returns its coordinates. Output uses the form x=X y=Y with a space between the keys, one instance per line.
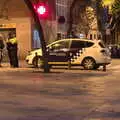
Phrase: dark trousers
x=13 y=58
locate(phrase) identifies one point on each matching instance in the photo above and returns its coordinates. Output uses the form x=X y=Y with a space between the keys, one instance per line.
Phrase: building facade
x=15 y=16
x=62 y=9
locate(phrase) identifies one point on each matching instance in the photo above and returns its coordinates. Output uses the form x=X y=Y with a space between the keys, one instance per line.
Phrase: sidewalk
x=22 y=66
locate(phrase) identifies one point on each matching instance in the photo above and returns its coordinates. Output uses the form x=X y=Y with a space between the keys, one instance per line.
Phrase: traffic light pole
x=41 y=35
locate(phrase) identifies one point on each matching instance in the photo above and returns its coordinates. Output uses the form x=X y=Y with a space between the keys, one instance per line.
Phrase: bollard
x=69 y=65
x=36 y=60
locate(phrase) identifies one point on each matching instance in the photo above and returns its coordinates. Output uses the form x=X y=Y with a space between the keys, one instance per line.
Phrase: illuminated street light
x=108 y=3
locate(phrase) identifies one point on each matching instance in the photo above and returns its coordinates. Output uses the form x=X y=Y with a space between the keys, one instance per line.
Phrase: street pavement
x=29 y=94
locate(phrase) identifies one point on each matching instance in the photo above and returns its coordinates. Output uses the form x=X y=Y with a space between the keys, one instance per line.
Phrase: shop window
x=36 y=39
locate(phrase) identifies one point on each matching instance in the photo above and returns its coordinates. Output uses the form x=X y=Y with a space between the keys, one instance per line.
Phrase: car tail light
x=103 y=52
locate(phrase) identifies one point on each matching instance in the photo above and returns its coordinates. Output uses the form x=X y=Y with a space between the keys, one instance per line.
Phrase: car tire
x=88 y=63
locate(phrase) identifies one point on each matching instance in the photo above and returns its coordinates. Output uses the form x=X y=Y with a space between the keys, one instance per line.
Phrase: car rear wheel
x=89 y=63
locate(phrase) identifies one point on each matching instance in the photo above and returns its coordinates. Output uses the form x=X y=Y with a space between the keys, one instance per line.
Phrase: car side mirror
x=65 y=49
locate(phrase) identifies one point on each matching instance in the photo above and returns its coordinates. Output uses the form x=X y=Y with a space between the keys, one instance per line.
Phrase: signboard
x=8 y=25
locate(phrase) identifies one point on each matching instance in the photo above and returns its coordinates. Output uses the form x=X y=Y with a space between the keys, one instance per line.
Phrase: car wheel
x=89 y=63
x=39 y=63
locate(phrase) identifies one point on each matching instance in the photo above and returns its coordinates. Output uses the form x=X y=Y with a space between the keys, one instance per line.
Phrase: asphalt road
x=76 y=94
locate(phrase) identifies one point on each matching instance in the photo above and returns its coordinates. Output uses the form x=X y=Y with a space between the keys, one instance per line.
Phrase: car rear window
x=101 y=44
x=77 y=44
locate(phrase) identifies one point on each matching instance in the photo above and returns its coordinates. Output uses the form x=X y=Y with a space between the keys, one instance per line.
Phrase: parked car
x=115 y=50
x=87 y=53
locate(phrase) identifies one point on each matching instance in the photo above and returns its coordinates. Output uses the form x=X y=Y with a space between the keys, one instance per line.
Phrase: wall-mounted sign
x=8 y=25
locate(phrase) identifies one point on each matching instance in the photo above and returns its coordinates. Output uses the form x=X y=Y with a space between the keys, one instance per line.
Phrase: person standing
x=12 y=48
x=1 y=48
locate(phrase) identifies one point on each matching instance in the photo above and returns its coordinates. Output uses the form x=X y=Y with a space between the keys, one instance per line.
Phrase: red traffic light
x=41 y=9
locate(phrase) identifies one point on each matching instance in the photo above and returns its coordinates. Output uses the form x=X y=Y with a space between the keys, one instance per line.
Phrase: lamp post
x=39 y=27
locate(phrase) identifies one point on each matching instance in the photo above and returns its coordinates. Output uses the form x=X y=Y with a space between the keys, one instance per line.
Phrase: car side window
x=78 y=44
x=60 y=45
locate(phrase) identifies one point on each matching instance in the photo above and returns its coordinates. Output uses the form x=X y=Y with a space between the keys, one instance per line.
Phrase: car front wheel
x=38 y=62
x=88 y=63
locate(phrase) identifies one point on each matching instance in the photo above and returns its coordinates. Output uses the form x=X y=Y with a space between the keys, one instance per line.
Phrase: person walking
x=1 y=48
x=12 y=48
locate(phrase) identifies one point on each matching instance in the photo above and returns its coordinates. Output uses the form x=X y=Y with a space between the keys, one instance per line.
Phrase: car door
x=58 y=52
x=76 y=49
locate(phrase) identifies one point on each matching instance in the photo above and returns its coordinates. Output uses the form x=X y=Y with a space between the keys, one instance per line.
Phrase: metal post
x=36 y=60
x=41 y=34
x=69 y=65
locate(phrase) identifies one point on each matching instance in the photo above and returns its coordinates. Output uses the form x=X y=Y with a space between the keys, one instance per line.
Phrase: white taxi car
x=87 y=53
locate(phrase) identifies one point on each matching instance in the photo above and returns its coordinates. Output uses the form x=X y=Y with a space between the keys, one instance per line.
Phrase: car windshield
x=59 y=45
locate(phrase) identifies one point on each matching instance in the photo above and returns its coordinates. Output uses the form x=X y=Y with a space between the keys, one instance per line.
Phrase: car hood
x=39 y=52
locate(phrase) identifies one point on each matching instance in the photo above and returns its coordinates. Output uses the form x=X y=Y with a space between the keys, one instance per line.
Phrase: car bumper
x=104 y=60
x=29 y=60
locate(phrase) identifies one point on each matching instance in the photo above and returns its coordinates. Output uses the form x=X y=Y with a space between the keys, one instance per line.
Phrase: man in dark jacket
x=12 y=50
x=1 y=49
